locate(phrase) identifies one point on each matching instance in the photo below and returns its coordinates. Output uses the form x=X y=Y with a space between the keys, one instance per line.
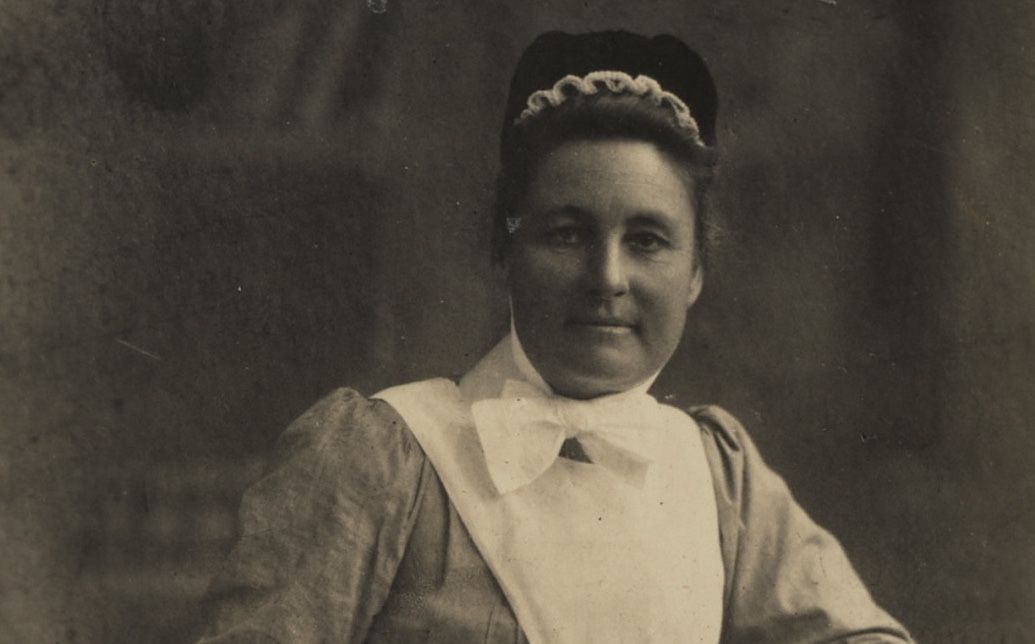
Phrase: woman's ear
x=696 y=284
x=501 y=273
x=505 y=262
x=503 y=266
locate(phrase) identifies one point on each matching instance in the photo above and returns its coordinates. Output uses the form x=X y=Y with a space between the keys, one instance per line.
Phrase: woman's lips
x=607 y=326
x=609 y=329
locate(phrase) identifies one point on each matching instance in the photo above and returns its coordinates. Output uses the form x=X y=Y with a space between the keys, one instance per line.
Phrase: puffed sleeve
x=322 y=534
x=787 y=579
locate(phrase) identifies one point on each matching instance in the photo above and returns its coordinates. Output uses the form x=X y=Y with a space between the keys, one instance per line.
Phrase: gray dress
x=350 y=537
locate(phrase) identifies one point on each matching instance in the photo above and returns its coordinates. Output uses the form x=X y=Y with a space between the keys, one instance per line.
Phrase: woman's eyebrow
x=568 y=210
x=652 y=218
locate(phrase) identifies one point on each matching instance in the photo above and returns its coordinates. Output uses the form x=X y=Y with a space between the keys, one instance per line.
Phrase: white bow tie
x=522 y=432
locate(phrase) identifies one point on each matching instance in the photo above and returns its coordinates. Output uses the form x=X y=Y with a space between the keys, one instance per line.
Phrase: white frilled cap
x=559 y=66
x=617 y=83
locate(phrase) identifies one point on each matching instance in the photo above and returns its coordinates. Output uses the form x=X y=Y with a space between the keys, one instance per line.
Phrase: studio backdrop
x=213 y=212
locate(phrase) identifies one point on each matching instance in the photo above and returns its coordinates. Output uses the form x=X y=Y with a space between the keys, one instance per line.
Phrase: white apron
x=581 y=555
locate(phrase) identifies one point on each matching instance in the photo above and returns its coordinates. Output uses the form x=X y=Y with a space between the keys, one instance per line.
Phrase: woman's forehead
x=595 y=175
x=621 y=159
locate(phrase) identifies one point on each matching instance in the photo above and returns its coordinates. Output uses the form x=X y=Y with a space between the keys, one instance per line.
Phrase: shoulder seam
x=719 y=422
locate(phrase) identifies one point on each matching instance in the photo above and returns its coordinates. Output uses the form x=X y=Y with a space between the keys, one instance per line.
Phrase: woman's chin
x=592 y=378
x=593 y=363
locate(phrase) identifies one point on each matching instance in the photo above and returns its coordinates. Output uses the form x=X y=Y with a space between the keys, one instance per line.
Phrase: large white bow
x=521 y=433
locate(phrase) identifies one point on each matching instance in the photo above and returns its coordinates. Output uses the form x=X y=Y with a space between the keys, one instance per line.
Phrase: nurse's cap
x=663 y=69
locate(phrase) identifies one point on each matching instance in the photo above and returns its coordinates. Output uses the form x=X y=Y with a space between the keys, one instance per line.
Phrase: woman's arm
x=788 y=579
x=321 y=535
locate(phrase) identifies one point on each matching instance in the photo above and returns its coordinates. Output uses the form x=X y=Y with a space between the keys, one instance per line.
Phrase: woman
x=546 y=495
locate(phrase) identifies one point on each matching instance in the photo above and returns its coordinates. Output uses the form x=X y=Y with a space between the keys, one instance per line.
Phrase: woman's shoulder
x=322 y=532
x=732 y=456
x=341 y=410
x=722 y=436
x=720 y=426
x=348 y=435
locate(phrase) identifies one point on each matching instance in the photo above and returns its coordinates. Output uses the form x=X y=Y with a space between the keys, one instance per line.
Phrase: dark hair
x=601 y=116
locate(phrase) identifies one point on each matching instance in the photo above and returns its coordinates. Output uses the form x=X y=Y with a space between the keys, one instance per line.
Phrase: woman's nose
x=607 y=274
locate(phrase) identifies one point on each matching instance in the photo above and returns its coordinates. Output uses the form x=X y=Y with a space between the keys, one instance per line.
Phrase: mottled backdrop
x=214 y=211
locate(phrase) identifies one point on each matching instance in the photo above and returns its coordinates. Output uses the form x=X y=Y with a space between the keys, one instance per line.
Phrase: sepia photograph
x=548 y=322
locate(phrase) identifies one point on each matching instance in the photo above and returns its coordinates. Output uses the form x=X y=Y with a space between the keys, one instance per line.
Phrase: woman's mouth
x=610 y=329
x=603 y=325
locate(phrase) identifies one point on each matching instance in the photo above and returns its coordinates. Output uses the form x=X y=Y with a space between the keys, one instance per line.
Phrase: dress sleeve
x=322 y=534
x=787 y=579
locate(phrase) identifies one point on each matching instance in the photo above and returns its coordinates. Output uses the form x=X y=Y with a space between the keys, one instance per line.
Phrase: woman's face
x=602 y=269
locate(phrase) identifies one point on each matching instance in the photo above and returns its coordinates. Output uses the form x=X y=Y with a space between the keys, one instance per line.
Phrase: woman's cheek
x=550 y=269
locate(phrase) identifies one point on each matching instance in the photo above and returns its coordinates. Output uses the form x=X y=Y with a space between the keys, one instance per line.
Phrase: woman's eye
x=564 y=236
x=647 y=242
